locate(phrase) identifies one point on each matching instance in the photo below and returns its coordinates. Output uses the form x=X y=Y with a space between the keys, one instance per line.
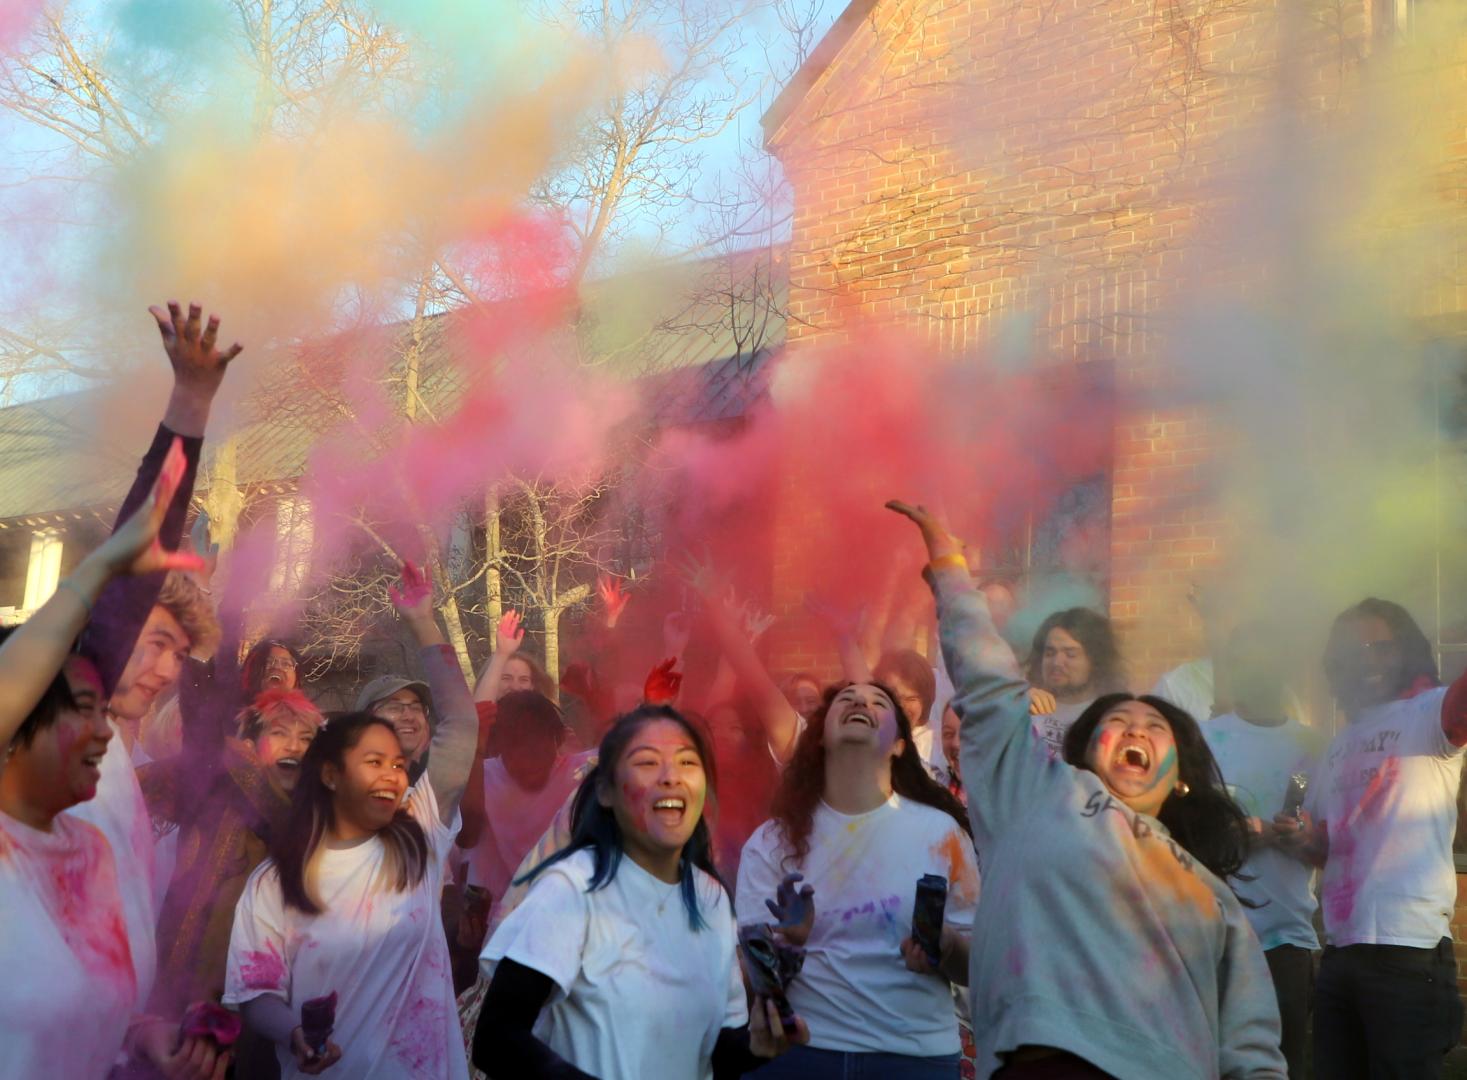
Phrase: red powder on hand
x=208 y=1020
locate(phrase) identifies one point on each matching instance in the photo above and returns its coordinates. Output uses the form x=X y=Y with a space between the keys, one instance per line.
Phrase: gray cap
x=384 y=686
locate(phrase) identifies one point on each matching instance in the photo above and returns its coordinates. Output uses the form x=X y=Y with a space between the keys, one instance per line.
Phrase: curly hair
x=1206 y=821
x=182 y=598
x=803 y=784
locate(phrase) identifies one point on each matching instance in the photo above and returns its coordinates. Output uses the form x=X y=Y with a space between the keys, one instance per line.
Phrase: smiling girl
x=858 y=817
x=1107 y=942
x=348 y=902
x=620 y=963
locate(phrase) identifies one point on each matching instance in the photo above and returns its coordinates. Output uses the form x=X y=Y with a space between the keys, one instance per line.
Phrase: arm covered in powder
x=1003 y=768
x=456 y=734
x=1248 y=1028
x=198 y=371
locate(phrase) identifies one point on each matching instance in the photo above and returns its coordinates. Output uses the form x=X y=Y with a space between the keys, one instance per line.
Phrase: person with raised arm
x=619 y=963
x=1107 y=942
x=348 y=902
x=144 y=626
x=64 y=938
x=1379 y=818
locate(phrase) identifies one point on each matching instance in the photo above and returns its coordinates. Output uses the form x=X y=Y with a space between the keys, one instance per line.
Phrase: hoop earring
x=1182 y=789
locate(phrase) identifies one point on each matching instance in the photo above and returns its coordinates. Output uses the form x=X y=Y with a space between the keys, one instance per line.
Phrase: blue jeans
x=808 y=1063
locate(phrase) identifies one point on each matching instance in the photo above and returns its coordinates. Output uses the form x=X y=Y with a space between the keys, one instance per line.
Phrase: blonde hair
x=184 y=599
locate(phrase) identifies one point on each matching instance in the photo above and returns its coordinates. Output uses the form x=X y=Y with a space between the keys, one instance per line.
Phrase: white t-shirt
x=1189 y=687
x=855 y=991
x=1051 y=727
x=639 y=994
x=515 y=819
x=1387 y=791
x=928 y=741
x=1256 y=764
x=69 y=986
x=382 y=951
x=119 y=811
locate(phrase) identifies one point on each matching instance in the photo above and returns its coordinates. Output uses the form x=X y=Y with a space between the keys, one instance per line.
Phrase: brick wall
x=957 y=163
x=961 y=161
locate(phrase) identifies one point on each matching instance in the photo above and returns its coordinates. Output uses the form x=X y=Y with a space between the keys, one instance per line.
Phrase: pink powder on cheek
x=636 y=803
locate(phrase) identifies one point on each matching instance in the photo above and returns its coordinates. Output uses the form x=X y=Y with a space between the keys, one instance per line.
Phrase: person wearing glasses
x=1379 y=818
x=406 y=704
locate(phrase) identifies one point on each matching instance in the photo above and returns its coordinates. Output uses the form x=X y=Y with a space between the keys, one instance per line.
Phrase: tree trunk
x=453 y=623
x=563 y=603
x=493 y=583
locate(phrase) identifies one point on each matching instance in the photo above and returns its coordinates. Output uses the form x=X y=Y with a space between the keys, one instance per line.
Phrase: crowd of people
x=967 y=864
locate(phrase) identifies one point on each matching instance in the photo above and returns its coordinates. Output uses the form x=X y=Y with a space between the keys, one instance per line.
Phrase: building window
x=294 y=533
x=44 y=569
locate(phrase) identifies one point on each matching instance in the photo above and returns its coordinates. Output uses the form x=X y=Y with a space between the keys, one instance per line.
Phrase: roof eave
x=809 y=73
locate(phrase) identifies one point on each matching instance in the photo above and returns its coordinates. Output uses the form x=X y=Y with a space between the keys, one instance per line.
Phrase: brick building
x=957 y=163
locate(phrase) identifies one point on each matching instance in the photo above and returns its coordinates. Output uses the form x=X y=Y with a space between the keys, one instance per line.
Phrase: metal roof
x=696 y=337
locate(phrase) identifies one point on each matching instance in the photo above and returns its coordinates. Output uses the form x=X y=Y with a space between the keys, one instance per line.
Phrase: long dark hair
x=252 y=671
x=1206 y=821
x=1095 y=634
x=296 y=846
x=803 y=785
x=594 y=826
x=1418 y=659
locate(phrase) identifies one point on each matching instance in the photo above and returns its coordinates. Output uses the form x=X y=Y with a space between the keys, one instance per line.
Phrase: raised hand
x=414 y=600
x=700 y=574
x=510 y=633
x=197 y=363
x=793 y=909
x=134 y=547
x=613 y=597
x=754 y=621
x=935 y=533
x=663 y=683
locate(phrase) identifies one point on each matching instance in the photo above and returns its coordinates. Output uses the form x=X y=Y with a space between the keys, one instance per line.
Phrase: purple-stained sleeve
x=122 y=609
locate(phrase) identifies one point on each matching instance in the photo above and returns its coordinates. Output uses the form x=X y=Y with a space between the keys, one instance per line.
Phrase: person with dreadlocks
x=1107 y=942
x=858 y=817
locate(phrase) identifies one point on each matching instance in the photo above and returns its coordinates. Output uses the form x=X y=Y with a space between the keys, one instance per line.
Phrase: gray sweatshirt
x=1096 y=932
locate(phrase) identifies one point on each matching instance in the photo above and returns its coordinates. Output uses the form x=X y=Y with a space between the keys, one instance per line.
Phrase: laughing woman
x=347 y=903
x=858 y=817
x=619 y=963
x=1107 y=942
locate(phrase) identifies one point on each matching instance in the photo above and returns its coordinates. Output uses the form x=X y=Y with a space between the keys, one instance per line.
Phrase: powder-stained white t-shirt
x=1051 y=728
x=639 y=994
x=515 y=819
x=382 y=951
x=69 y=986
x=855 y=991
x=119 y=811
x=1256 y=764
x=1387 y=791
